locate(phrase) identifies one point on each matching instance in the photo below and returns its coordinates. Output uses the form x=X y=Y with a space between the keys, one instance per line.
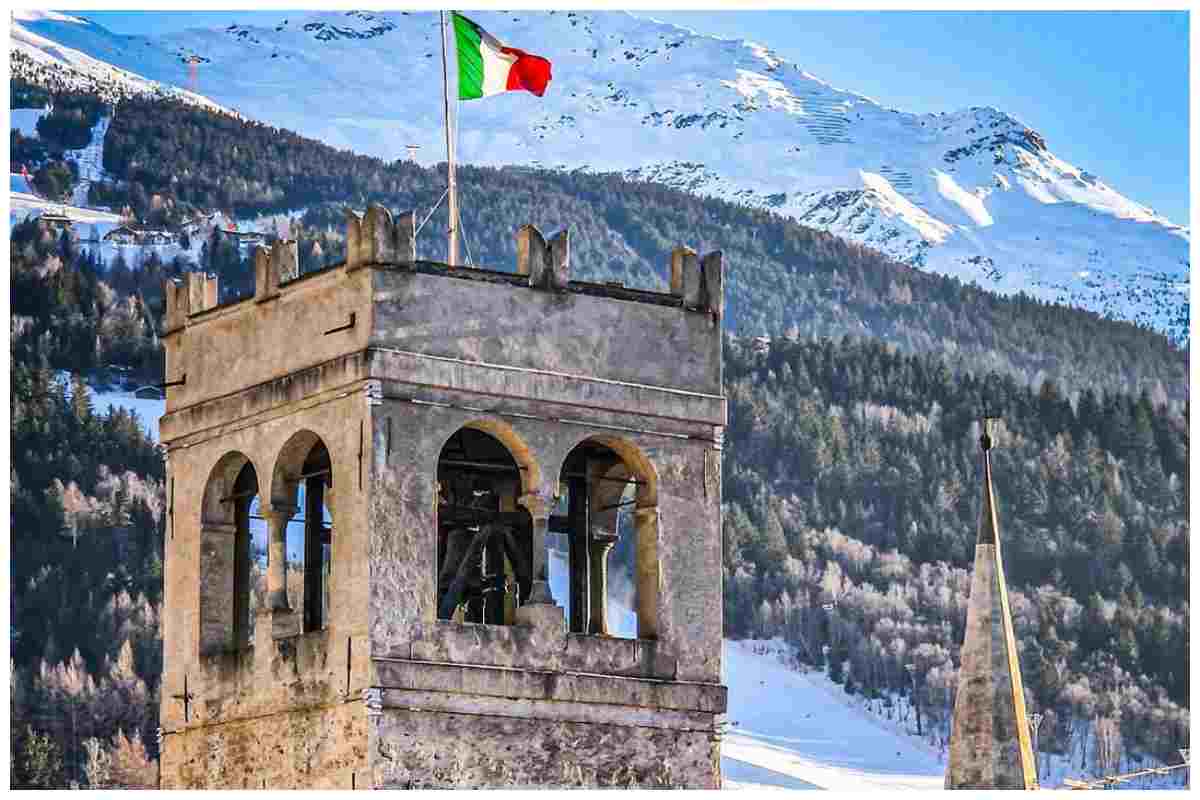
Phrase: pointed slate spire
x=989 y=738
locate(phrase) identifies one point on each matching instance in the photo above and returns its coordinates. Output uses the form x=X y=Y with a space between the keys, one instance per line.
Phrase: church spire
x=989 y=738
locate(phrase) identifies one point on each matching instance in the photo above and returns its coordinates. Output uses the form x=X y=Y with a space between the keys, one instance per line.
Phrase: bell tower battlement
x=443 y=526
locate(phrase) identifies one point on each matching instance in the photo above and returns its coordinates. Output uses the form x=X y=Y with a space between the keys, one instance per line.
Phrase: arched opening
x=484 y=536
x=302 y=498
x=250 y=566
x=603 y=541
x=233 y=545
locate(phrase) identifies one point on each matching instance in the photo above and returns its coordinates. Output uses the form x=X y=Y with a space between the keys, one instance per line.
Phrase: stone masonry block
x=685 y=276
x=533 y=256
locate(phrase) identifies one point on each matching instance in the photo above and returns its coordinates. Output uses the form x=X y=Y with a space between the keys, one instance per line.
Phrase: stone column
x=645 y=524
x=601 y=544
x=541 y=610
x=277 y=518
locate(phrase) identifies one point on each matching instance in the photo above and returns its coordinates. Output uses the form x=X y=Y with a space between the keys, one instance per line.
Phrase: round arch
x=215 y=508
x=225 y=591
x=610 y=483
x=300 y=562
x=501 y=431
x=288 y=469
x=636 y=462
x=483 y=558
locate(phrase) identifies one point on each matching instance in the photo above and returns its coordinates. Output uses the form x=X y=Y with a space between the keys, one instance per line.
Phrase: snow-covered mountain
x=83 y=71
x=975 y=193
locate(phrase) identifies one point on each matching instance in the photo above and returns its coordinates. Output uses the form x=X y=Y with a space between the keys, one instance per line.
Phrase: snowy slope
x=90 y=162
x=89 y=222
x=95 y=70
x=975 y=193
x=787 y=729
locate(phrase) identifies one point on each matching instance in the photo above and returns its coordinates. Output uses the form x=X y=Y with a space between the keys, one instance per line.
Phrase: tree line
x=852 y=494
x=851 y=480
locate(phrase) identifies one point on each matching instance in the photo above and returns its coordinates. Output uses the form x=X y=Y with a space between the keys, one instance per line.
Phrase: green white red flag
x=487 y=66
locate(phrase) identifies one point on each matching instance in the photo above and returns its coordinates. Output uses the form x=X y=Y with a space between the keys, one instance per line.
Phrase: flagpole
x=452 y=247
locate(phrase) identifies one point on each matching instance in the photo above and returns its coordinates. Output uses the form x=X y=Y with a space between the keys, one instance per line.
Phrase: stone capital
x=274 y=512
x=536 y=504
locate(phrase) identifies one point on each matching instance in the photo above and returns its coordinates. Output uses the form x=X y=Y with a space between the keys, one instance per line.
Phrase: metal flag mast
x=452 y=230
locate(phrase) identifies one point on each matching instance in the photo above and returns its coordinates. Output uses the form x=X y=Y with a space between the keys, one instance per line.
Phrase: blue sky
x=1107 y=90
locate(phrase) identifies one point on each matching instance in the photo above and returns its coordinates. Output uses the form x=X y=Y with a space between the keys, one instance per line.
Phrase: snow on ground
x=90 y=162
x=24 y=202
x=134 y=255
x=799 y=730
x=27 y=205
x=971 y=204
x=103 y=400
x=75 y=69
x=785 y=729
x=277 y=223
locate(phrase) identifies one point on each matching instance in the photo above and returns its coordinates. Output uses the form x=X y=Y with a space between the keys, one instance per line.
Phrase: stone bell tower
x=434 y=526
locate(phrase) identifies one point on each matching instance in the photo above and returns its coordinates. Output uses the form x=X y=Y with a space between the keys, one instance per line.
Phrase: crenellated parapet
x=699 y=282
x=376 y=238
x=274 y=266
x=381 y=295
x=548 y=264
x=196 y=293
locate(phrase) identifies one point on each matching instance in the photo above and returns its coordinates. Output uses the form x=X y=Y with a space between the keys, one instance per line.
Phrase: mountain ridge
x=974 y=193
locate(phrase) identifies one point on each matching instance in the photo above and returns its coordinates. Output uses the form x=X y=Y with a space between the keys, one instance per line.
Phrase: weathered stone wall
x=309 y=748
x=224 y=349
x=429 y=749
x=565 y=332
x=282 y=673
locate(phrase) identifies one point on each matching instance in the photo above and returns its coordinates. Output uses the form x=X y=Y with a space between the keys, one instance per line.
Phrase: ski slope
x=788 y=730
x=90 y=162
x=792 y=730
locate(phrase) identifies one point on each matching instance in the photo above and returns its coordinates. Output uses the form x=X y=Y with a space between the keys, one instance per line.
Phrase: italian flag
x=486 y=66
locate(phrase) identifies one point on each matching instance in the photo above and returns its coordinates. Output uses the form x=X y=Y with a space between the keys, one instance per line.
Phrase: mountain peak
x=974 y=193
